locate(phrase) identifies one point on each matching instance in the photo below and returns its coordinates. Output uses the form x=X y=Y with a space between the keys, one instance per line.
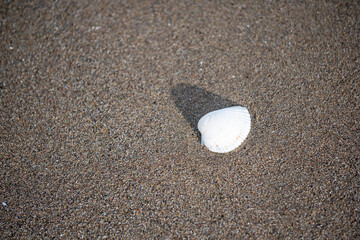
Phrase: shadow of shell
x=194 y=102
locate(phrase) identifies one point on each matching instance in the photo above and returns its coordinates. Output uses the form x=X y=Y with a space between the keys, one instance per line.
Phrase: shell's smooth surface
x=224 y=130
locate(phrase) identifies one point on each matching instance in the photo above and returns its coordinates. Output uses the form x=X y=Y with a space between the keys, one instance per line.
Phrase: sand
x=99 y=106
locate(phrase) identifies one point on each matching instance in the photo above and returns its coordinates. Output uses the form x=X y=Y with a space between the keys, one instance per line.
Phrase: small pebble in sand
x=224 y=130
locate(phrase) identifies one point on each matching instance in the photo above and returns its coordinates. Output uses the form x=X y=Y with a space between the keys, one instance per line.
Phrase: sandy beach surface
x=99 y=103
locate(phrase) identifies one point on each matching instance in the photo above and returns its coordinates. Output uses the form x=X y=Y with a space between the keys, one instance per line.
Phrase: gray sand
x=99 y=105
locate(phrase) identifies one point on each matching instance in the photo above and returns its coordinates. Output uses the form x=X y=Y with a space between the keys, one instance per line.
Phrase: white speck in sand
x=11 y=48
x=4 y=203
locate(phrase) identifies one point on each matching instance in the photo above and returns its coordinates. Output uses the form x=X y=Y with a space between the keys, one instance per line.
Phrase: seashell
x=225 y=129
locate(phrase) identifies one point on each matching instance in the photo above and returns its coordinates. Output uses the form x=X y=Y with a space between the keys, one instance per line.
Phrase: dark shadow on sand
x=194 y=102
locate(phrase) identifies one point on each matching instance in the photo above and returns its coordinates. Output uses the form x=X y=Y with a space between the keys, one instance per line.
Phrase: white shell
x=224 y=130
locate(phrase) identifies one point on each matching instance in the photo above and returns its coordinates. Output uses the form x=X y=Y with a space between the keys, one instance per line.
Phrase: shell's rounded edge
x=226 y=129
